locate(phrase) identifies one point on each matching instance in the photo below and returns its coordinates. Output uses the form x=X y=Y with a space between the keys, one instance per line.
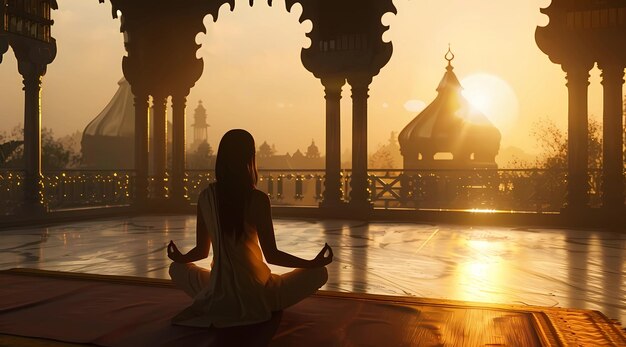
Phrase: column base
x=576 y=211
x=179 y=204
x=347 y=210
x=333 y=209
x=360 y=209
x=329 y=205
x=614 y=217
x=32 y=209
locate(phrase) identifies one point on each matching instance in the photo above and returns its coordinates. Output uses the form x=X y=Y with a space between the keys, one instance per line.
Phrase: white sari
x=235 y=293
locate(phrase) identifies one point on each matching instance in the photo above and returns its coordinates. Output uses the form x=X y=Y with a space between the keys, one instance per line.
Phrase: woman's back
x=236 y=219
x=235 y=293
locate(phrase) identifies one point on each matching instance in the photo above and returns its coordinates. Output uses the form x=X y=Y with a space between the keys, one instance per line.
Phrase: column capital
x=577 y=66
x=333 y=83
x=141 y=97
x=360 y=80
x=33 y=57
x=159 y=100
x=612 y=72
x=179 y=99
x=577 y=74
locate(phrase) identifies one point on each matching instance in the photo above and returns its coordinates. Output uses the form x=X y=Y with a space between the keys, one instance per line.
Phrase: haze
x=253 y=77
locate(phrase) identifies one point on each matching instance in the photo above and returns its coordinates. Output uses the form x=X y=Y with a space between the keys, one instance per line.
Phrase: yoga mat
x=46 y=306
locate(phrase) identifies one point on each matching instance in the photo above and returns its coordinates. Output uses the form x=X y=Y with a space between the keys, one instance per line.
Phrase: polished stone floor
x=547 y=267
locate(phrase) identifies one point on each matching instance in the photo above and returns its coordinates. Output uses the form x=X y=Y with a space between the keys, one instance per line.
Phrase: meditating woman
x=234 y=217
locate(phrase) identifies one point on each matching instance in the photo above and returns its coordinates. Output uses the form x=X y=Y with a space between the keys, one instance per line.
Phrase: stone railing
x=69 y=189
x=285 y=187
x=524 y=190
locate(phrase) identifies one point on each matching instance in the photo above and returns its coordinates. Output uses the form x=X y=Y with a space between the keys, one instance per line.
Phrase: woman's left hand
x=173 y=252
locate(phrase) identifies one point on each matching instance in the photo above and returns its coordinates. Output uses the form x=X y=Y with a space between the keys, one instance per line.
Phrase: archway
x=346 y=45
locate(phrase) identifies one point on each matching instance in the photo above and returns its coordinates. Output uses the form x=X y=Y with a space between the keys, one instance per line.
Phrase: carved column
x=577 y=149
x=612 y=129
x=141 y=148
x=179 y=103
x=33 y=188
x=333 y=194
x=359 y=192
x=159 y=141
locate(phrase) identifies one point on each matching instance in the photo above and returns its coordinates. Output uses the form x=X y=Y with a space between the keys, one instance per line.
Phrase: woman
x=235 y=218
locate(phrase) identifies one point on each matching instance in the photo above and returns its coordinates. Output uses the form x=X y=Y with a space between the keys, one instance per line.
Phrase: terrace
x=547 y=238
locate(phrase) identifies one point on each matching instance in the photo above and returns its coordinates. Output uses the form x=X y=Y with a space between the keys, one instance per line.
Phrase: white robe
x=235 y=294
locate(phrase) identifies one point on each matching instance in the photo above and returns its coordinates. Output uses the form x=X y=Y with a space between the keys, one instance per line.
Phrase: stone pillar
x=359 y=183
x=333 y=194
x=179 y=192
x=612 y=134
x=577 y=149
x=141 y=149
x=160 y=146
x=33 y=187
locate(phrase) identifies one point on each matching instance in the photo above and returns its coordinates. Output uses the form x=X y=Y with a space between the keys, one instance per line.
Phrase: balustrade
x=522 y=190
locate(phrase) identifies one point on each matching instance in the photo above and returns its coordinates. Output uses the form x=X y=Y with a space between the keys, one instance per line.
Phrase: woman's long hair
x=236 y=173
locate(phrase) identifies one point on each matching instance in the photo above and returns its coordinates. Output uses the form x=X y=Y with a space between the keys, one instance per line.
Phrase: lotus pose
x=234 y=217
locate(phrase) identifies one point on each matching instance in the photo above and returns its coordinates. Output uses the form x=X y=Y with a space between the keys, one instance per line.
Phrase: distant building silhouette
x=312 y=151
x=109 y=139
x=200 y=126
x=267 y=159
x=387 y=156
x=450 y=128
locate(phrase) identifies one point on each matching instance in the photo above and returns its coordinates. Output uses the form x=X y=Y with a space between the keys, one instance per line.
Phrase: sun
x=494 y=97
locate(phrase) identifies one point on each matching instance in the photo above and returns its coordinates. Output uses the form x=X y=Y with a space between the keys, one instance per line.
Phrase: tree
x=552 y=142
x=7 y=149
x=548 y=186
x=202 y=157
x=54 y=155
x=265 y=151
x=387 y=156
x=381 y=159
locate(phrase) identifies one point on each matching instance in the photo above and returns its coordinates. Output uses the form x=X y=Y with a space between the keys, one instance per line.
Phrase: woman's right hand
x=173 y=252
x=322 y=259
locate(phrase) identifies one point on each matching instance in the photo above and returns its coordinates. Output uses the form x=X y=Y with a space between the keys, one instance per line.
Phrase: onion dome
x=108 y=140
x=118 y=117
x=449 y=125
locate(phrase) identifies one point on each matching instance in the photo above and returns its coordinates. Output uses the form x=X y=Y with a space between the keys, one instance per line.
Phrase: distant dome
x=118 y=117
x=312 y=151
x=108 y=140
x=449 y=125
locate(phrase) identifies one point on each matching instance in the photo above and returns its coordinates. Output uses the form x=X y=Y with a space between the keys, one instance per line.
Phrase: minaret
x=200 y=126
x=312 y=151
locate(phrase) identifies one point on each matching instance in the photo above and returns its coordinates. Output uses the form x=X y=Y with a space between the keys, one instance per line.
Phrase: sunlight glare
x=414 y=106
x=494 y=97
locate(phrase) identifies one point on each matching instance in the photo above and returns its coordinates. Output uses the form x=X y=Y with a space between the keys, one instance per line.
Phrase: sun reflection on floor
x=566 y=268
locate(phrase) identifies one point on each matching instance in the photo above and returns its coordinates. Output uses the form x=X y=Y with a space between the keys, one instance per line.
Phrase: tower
x=200 y=126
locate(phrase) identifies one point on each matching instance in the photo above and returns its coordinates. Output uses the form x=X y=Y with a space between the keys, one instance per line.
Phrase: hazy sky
x=253 y=77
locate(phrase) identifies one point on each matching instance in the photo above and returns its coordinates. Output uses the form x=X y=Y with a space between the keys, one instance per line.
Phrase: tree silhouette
x=54 y=155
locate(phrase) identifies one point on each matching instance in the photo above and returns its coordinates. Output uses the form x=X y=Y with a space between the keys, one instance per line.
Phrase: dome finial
x=449 y=56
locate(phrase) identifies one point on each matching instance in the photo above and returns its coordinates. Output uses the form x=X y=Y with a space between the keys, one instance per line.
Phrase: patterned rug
x=48 y=308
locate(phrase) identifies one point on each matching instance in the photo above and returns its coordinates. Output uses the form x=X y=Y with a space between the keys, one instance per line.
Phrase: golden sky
x=253 y=77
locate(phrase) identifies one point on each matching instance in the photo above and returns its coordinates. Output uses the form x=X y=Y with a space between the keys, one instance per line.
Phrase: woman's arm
x=203 y=243
x=261 y=216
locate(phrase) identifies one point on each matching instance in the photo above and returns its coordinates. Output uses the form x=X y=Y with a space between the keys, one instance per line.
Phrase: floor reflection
x=567 y=268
